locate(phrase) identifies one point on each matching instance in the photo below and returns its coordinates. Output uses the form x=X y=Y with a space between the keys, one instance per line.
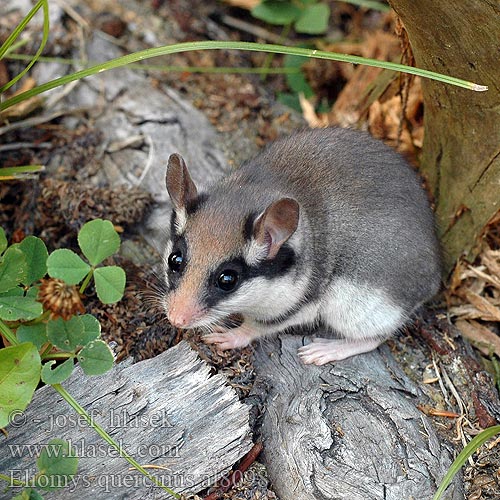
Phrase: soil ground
x=239 y=107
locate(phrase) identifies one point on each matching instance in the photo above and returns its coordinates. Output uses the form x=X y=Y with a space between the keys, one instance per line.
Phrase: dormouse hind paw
x=321 y=351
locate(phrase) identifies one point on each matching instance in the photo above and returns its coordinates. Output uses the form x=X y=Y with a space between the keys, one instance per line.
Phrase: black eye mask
x=229 y=275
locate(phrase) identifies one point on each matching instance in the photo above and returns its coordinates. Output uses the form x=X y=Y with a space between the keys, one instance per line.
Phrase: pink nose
x=180 y=319
x=183 y=313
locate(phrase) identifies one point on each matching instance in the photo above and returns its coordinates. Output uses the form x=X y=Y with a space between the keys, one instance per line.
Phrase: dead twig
x=247 y=461
x=37 y=120
x=256 y=31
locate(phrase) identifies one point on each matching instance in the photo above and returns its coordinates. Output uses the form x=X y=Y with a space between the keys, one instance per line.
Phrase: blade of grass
x=17 y=45
x=17 y=31
x=8 y=333
x=255 y=47
x=12 y=481
x=20 y=27
x=471 y=447
x=17 y=172
x=269 y=58
x=104 y=435
x=166 y=68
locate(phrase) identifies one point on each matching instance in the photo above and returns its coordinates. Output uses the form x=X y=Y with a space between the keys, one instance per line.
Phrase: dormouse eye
x=175 y=261
x=227 y=280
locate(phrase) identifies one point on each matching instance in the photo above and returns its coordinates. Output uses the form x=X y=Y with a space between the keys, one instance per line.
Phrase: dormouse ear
x=276 y=224
x=180 y=186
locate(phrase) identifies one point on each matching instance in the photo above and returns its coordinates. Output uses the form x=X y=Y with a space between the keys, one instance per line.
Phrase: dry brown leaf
x=491 y=259
x=468 y=281
x=4 y=73
x=465 y=311
x=489 y=311
x=350 y=105
x=493 y=280
x=310 y=116
x=375 y=96
x=456 y=278
x=474 y=294
x=384 y=119
x=23 y=108
x=28 y=84
x=483 y=338
x=380 y=45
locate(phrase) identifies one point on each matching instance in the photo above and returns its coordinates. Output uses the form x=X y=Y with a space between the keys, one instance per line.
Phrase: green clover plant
x=22 y=266
x=38 y=341
x=45 y=348
x=307 y=16
x=57 y=464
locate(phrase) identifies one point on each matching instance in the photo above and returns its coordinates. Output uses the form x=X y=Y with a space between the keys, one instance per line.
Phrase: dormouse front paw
x=231 y=339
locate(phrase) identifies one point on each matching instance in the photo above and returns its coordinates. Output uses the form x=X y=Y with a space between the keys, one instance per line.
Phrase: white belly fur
x=357 y=311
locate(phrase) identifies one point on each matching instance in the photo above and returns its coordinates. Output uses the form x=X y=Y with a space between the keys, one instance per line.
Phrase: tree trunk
x=461 y=154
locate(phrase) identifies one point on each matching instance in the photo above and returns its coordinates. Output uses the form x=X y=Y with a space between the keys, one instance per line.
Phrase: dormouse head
x=228 y=248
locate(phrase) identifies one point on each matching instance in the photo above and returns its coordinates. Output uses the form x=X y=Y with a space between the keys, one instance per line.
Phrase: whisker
x=152 y=291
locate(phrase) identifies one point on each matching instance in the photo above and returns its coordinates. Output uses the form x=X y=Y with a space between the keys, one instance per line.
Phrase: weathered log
x=167 y=412
x=347 y=431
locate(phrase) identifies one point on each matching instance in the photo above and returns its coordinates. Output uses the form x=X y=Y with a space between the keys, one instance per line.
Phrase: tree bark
x=461 y=153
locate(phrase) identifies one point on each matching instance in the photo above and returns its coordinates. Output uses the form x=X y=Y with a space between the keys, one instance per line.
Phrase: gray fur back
x=368 y=217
